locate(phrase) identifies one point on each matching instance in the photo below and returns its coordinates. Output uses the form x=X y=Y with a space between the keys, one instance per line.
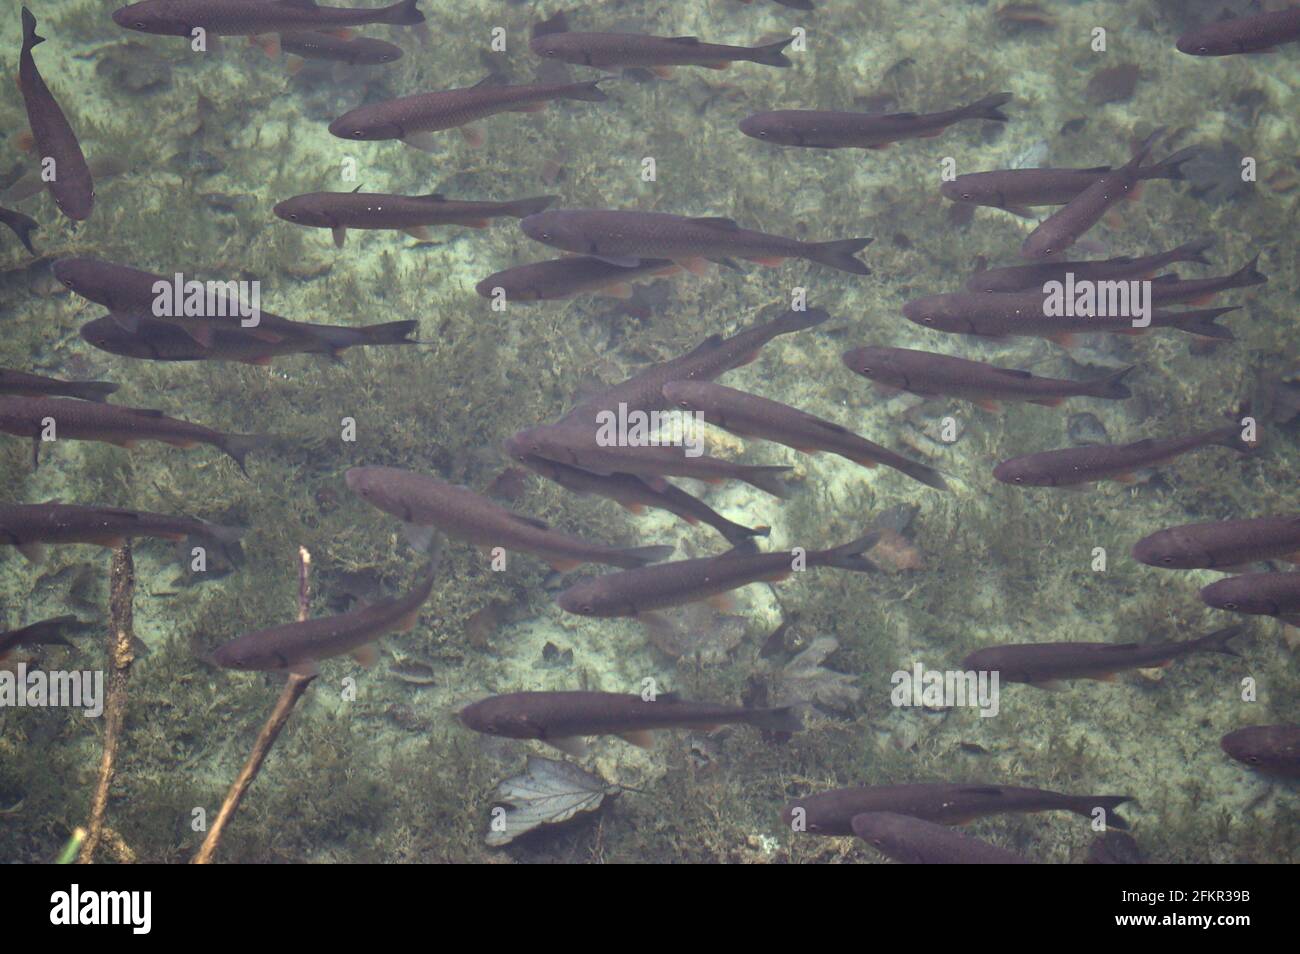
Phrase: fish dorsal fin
x=668 y=697
x=711 y=343
x=435 y=197
x=356 y=190
x=716 y=222
x=298 y=4
x=899 y=116
x=685 y=40
x=145 y=411
x=556 y=24
x=492 y=79
x=531 y=521
x=1015 y=373
x=1145 y=444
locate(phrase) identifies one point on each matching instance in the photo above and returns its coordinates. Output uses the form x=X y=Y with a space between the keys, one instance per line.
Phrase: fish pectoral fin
x=307 y=669
x=572 y=745
x=424 y=141
x=34 y=552
x=366 y=655
x=988 y=404
x=641 y=738
x=563 y=565
x=420 y=538
x=723 y=602
x=340 y=234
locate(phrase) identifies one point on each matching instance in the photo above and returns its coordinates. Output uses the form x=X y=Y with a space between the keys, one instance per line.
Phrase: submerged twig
x=120 y=657
x=293 y=690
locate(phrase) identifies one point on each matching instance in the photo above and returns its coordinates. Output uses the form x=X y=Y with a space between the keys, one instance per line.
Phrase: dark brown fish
x=914 y=841
x=751 y=416
x=36 y=385
x=553 y=40
x=563 y=719
x=1221 y=544
x=29 y=526
x=413 y=119
x=832 y=812
x=634 y=494
x=638 y=593
x=355 y=51
x=1250 y=34
x=569 y=277
x=1068 y=224
x=1274 y=749
x=48 y=632
x=1257 y=594
x=627 y=238
x=934 y=375
x=22 y=225
x=255 y=17
x=712 y=357
x=817 y=129
x=71 y=185
x=29 y=184
x=1047 y=664
x=112 y=424
x=299 y=646
x=1198 y=291
x=1025 y=277
x=412 y=214
x=426 y=502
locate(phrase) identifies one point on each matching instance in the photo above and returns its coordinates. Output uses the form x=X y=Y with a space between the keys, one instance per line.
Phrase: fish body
x=832 y=812
x=465 y=515
x=1257 y=594
x=36 y=385
x=340 y=211
x=1044 y=664
x=1274 y=749
x=554 y=41
x=562 y=718
x=255 y=17
x=45 y=633
x=751 y=416
x=819 y=129
x=1220 y=544
x=71 y=186
x=914 y=841
x=626 y=238
x=933 y=375
x=1201 y=290
x=298 y=646
x=29 y=526
x=639 y=592
x=1017 y=278
x=569 y=277
x=22 y=226
x=1079 y=465
x=1249 y=34
x=355 y=51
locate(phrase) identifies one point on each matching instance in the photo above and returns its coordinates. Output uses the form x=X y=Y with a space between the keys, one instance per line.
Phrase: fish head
x=159 y=17
x=357 y=126
x=497 y=715
x=931 y=312
x=369 y=51
x=1172 y=550
x=85 y=277
x=955 y=190
x=687 y=395
x=241 y=654
x=588 y=598
x=1238 y=594
x=303 y=210
x=565 y=47
x=1024 y=471
x=1208 y=41
x=876 y=364
x=378 y=486
x=559 y=230
x=774 y=127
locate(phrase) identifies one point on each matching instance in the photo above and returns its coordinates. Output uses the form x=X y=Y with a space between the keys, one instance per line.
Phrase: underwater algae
x=209 y=143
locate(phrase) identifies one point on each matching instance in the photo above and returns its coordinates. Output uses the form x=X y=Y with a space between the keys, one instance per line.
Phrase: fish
x=633 y=494
x=48 y=632
x=413 y=214
x=1257 y=594
x=562 y=719
x=752 y=416
x=581 y=446
x=711 y=358
x=1018 y=190
x=34 y=385
x=1069 y=223
x=354 y=51
x=1080 y=465
x=413 y=119
x=297 y=647
x=1025 y=277
x=1222 y=544
x=22 y=225
x=914 y=841
x=932 y=375
x=569 y=277
x=1274 y=749
x=553 y=40
x=113 y=424
x=638 y=593
x=256 y=17
x=819 y=129
x=1257 y=33
x=29 y=527
x=29 y=184
x=832 y=812
x=423 y=502
x=156 y=340
x=627 y=238
x=71 y=185
x=1048 y=664
x=1198 y=291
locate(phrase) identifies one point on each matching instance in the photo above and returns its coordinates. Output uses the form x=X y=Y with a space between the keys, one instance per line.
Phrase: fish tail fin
x=923 y=473
x=987 y=108
x=228 y=539
x=392 y=332
x=1217 y=642
x=237 y=447
x=591 y=92
x=1194 y=252
x=1143 y=150
x=1202 y=323
x=1085 y=805
x=1248 y=275
x=772 y=54
x=839 y=254
x=640 y=556
x=1112 y=386
x=404 y=13
x=782 y=719
x=768 y=480
x=523 y=208
x=735 y=534
x=24 y=227
x=1171 y=167
x=30 y=37
x=849 y=556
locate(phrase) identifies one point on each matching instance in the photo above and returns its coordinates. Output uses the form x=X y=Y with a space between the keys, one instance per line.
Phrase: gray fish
x=1250 y=34
x=30 y=526
x=255 y=17
x=1025 y=277
x=413 y=119
x=569 y=277
x=819 y=129
x=914 y=841
x=1221 y=544
x=1080 y=465
x=931 y=375
x=22 y=225
x=1046 y=664
x=426 y=502
x=1199 y=291
x=36 y=385
x=562 y=719
x=1274 y=749
x=299 y=646
x=1257 y=594
x=832 y=812
x=355 y=51
x=626 y=238
x=48 y=632
x=751 y=416
x=71 y=186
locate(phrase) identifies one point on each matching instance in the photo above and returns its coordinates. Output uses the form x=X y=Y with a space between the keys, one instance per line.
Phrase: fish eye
x=1167 y=560
x=968 y=195
x=685 y=404
x=865 y=370
x=1018 y=479
x=1230 y=605
x=586 y=608
x=358 y=133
